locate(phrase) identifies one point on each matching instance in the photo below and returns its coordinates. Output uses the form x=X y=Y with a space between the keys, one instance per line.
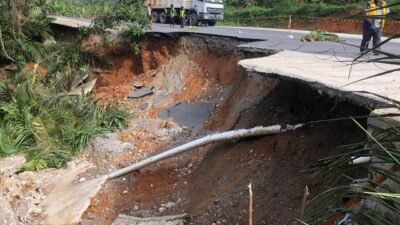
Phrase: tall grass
x=253 y=14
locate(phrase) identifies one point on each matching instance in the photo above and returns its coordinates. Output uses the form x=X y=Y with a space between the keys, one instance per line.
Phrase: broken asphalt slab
x=335 y=76
x=143 y=106
x=160 y=96
x=70 y=198
x=189 y=115
x=141 y=92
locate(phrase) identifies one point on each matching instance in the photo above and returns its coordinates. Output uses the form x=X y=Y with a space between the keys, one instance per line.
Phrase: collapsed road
x=182 y=87
x=262 y=38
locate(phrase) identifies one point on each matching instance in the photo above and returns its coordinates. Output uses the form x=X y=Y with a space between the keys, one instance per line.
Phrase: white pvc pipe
x=228 y=135
x=361 y=160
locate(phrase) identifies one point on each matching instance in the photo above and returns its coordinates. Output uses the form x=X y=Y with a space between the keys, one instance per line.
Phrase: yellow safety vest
x=172 y=13
x=372 y=11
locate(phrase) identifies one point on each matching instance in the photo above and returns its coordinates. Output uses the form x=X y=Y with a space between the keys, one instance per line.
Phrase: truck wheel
x=163 y=17
x=211 y=23
x=193 y=19
x=154 y=17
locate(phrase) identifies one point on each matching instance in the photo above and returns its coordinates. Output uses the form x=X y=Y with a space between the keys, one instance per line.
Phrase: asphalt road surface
x=280 y=39
x=267 y=38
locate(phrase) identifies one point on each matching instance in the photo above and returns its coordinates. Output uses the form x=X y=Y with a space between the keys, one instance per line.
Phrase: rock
x=143 y=106
x=103 y=149
x=82 y=179
x=24 y=209
x=78 y=79
x=153 y=73
x=77 y=195
x=84 y=89
x=7 y=215
x=141 y=93
x=27 y=175
x=11 y=164
x=169 y=132
x=138 y=85
x=36 y=211
x=160 y=96
x=169 y=205
x=162 y=209
x=173 y=81
x=127 y=146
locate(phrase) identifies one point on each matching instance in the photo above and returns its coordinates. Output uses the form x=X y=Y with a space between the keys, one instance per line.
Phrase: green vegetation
x=22 y=27
x=278 y=13
x=129 y=14
x=374 y=200
x=38 y=118
x=369 y=201
x=79 y=8
x=49 y=128
x=321 y=35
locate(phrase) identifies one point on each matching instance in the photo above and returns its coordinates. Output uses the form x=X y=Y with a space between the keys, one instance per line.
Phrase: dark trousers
x=182 y=22
x=368 y=33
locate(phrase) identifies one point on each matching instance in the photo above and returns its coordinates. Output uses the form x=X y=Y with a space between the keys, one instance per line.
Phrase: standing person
x=172 y=15
x=149 y=12
x=376 y=11
x=182 y=16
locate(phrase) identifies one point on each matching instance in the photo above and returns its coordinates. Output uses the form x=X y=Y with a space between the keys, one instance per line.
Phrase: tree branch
x=3 y=47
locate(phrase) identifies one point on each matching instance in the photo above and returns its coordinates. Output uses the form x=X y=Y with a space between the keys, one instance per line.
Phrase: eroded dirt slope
x=210 y=183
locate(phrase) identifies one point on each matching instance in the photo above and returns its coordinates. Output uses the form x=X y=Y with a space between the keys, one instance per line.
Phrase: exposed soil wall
x=343 y=26
x=210 y=183
x=275 y=164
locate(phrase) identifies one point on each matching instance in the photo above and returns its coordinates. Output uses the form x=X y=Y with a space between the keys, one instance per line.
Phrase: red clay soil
x=210 y=184
x=274 y=164
x=157 y=57
x=213 y=188
x=34 y=68
x=345 y=26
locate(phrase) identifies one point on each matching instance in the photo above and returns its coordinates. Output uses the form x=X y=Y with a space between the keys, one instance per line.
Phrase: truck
x=196 y=11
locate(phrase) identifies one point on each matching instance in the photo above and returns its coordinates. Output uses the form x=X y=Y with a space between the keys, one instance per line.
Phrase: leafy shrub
x=47 y=127
x=36 y=117
x=321 y=35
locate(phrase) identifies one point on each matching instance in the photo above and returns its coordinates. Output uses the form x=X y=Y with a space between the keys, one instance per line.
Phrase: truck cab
x=208 y=11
